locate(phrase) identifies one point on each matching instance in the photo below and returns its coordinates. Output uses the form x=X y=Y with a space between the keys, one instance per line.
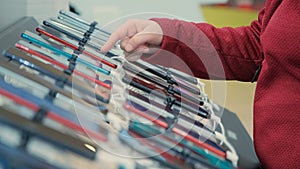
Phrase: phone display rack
x=64 y=104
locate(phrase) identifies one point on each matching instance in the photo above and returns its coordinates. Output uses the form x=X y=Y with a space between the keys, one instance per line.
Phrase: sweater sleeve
x=205 y=51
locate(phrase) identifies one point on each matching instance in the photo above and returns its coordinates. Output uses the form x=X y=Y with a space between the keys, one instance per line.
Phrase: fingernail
x=102 y=49
x=128 y=48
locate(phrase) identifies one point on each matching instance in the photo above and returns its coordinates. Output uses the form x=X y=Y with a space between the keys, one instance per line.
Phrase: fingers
x=126 y=30
x=135 y=34
x=139 y=40
x=123 y=43
x=112 y=40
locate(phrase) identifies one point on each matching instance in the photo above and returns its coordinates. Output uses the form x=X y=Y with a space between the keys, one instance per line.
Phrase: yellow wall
x=239 y=95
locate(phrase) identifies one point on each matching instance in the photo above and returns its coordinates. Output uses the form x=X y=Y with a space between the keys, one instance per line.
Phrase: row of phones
x=65 y=104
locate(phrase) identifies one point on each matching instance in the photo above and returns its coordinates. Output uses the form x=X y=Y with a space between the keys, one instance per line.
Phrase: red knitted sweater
x=273 y=42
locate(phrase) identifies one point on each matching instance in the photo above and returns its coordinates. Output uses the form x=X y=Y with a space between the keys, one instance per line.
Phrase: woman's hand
x=136 y=35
